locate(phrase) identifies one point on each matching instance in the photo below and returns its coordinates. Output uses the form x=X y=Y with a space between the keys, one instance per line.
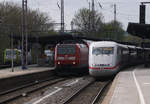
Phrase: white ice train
x=106 y=58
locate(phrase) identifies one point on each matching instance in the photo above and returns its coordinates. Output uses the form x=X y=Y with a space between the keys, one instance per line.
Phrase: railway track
x=89 y=94
x=16 y=93
x=4 y=66
x=100 y=92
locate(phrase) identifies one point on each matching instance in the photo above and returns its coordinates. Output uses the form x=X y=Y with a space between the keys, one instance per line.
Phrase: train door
x=118 y=58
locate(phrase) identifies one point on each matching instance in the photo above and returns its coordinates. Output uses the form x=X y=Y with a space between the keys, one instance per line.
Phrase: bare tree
x=82 y=20
x=10 y=21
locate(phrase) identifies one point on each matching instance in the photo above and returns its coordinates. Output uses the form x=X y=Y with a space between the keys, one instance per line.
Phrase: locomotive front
x=102 y=59
x=66 y=55
x=71 y=58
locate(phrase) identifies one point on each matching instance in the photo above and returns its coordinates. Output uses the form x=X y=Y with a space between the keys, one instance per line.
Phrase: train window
x=125 y=51
x=9 y=52
x=103 y=50
x=133 y=52
x=66 y=49
x=119 y=51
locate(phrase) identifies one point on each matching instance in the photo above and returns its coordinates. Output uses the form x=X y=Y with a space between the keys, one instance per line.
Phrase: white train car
x=107 y=57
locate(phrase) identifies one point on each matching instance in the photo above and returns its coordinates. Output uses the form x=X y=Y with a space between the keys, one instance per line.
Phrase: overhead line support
x=24 y=35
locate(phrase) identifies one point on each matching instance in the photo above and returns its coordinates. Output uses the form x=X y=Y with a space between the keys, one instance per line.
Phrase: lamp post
x=62 y=16
x=12 y=53
x=72 y=24
x=142 y=21
x=24 y=35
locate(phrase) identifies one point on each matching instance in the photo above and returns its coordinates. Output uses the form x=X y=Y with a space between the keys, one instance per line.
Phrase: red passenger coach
x=71 y=58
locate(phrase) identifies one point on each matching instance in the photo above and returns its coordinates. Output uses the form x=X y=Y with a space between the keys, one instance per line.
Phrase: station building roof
x=54 y=39
x=140 y=30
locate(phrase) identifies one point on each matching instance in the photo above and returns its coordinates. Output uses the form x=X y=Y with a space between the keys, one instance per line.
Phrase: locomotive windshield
x=9 y=52
x=103 y=50
x=66 y=49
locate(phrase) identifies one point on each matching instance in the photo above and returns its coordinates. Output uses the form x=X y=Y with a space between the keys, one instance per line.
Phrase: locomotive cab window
x=67 y=49
x=103 y=51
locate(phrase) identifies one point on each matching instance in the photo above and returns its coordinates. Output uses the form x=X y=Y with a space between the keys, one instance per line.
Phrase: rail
x=100 y=92
x=33 y=89
x=77 y=92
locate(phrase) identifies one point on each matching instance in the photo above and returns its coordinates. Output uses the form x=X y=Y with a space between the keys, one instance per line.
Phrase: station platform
x=10 y=80
x=18 y=71
x=130 y=86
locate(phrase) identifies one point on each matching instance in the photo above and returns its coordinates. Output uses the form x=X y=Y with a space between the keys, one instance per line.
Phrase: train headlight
x=58 y=62
x=74 y=63
x=94 y=65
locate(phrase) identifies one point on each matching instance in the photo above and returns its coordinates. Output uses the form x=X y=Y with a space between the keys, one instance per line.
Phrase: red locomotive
x=71 y=58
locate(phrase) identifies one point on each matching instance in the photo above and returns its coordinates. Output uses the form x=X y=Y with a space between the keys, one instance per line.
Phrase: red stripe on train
x=104 y=67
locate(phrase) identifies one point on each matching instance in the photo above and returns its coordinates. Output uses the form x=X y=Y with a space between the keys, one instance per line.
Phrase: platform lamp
x=142 y=19
x=142 y=14
x=12 y=53
x=24 y=35
x=72 y=26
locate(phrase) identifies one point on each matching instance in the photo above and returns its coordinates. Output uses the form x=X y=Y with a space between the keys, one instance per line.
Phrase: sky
x=127 y=10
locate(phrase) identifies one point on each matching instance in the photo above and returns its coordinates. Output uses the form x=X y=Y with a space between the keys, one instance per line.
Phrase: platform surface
x=7 y=72
x=131 y=86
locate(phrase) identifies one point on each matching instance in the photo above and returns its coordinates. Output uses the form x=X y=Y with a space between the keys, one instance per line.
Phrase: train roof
x=112 y=43
x=11 y=49
x=139 y=47
x=104 y=43
x=129 y=46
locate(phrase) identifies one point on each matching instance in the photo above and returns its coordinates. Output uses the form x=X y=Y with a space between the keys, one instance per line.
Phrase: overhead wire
x=112 y=3
x=124 y=15
x=116 y=2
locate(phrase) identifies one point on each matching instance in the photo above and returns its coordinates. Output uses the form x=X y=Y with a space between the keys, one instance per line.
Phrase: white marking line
x=71 y=83
x=114 y=94
x=38 y=101
x=146 y=83
x=139 y=89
